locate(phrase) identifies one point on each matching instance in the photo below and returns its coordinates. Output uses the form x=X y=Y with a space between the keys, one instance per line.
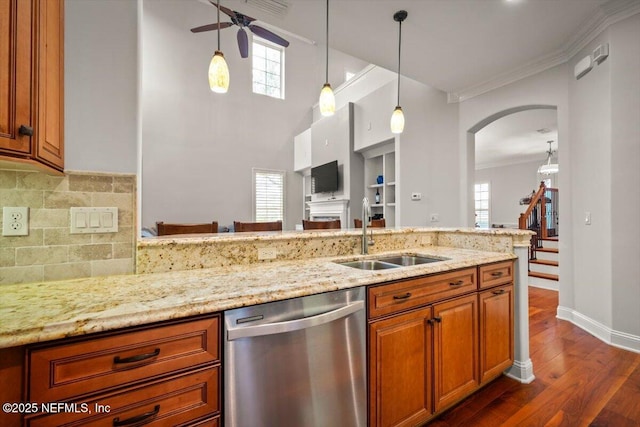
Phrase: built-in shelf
x=379 y=164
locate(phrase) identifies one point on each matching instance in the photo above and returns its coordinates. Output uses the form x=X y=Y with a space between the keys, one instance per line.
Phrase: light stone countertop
x=37 y=312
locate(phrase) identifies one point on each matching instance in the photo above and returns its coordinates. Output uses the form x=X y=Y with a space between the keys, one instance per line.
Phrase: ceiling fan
x=242 y=21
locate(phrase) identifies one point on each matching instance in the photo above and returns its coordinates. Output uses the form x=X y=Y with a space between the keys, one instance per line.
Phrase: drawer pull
x=137 y=419
x=497 y=274
x=405 y=296
x=458 y=283
x=137 y=358
x=499 y=292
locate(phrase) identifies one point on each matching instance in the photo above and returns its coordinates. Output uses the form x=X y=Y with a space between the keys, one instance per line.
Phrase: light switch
x=94 y=220
x=107 y=219
x=81 y=220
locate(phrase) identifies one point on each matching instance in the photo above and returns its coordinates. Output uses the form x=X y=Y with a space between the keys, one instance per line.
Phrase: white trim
x=521 y=371
x=608 y=14
x=602 y=332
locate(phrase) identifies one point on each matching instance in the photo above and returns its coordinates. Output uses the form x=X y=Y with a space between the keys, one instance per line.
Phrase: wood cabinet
x=436 y=339
x=455 y=349
x=400 y=351
x=32 y=83
x=166 y=374
x=496 y=332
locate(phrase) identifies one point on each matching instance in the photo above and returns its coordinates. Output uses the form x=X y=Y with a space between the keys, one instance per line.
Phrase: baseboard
x=604 y=333
x=521 y=371
x=543 y=286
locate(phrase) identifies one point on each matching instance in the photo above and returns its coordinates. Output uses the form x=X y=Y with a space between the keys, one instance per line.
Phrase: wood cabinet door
x=50 y=87
x=400 y=369
x=455 y=335
x=496 y=332
x=15 y=76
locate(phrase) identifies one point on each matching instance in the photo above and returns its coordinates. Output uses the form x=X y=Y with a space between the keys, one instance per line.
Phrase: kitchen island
x=187 y=276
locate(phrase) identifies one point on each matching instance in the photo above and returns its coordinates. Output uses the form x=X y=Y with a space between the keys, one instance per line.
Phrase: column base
x=521 y=371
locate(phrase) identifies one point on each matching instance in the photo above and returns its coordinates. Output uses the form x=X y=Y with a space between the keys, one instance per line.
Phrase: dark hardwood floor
x=580 y=381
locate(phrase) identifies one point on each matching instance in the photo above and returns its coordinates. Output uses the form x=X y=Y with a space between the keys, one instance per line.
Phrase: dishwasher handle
x=294 y=325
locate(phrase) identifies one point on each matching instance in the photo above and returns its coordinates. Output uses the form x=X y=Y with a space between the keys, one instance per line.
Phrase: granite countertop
x=37 y=312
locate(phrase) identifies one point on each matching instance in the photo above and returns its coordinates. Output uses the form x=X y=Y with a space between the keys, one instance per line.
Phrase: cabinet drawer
x=399 y=296
x=168 y=402
x=496 y=274
x=90 y=365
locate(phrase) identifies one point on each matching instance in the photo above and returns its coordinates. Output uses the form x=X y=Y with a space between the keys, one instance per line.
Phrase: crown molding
x=608 y=14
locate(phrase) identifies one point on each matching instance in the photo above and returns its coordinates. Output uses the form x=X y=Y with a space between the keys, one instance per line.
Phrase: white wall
x=429 y=160
x=101 y=85
x=625 y=173
x=199 y=147
x=507 y=185
x=599 y=152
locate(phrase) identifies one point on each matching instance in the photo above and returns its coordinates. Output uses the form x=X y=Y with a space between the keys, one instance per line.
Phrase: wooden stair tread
x=544 y=262
x=543 y=275
x=552 y=250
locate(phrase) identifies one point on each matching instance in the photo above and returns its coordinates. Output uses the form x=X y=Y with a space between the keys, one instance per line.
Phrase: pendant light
x=397 y=118
x=327 y=99
x=549 y=168
x=218 y=69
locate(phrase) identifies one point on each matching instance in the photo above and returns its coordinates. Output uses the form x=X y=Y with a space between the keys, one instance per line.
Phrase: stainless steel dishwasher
x=298 y=362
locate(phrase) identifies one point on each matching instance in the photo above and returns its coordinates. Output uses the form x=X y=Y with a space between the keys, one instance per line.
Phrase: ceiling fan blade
x=211 y=27
x=243 y=43
x=268 y=35
x=223 y=9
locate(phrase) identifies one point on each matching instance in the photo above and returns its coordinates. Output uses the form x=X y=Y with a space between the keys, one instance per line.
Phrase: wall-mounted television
x=324 y=178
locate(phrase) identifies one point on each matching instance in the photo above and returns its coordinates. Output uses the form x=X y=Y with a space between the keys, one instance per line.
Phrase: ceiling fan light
x=397 y=120
x=218 y=73
x=327 y=101
x=548 y=169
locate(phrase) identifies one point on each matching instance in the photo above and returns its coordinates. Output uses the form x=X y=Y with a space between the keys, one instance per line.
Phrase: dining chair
x=376 y=223
x=172 y=228
x=257 y=226
x=320 y=225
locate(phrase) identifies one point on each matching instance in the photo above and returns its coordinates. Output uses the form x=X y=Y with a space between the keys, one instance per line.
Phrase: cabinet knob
x=25 y=130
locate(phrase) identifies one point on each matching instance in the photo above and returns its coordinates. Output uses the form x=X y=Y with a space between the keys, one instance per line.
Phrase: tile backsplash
x=50 y=252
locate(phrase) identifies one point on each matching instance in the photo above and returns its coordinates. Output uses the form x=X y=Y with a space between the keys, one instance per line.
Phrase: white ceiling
x=462 y=47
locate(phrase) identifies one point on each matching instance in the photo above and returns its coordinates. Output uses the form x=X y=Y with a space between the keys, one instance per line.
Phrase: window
x=268 y=195
x=482 y=205
x=268 y=68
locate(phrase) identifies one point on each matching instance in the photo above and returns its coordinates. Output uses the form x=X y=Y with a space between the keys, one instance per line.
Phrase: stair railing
x=535 y=219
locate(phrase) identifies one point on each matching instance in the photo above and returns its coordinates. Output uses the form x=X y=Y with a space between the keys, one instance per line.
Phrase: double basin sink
x=387 y=262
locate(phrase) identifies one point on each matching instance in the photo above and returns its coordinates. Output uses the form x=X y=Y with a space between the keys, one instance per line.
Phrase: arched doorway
x=507 y=149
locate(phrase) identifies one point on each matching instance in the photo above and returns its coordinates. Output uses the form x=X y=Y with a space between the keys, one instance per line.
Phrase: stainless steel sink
x=406 y=260
x=369 y=264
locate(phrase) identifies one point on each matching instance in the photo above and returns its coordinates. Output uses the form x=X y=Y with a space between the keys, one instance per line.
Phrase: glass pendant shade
x=218 y=73
x=397 y=120
x=327 y=101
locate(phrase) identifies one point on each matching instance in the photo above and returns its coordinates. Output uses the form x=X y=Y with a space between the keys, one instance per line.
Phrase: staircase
x=543 y=270
x=541 y=216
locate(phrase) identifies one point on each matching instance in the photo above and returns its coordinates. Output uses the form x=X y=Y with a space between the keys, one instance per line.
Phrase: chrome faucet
x=366 y=213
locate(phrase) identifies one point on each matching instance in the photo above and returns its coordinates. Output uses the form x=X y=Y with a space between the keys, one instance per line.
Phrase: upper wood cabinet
x=32 y=83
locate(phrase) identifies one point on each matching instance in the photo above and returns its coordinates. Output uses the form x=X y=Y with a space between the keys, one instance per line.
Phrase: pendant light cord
x=218 y=7
x=326 y=75
x=399 y=48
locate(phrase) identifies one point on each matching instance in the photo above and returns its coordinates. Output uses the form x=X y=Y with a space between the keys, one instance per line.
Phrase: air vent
x=277 y=7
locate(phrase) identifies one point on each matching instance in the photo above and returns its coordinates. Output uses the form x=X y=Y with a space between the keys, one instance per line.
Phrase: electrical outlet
x=435 y=217
x=15 y=221
x=267 y=253
x=416 y=196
